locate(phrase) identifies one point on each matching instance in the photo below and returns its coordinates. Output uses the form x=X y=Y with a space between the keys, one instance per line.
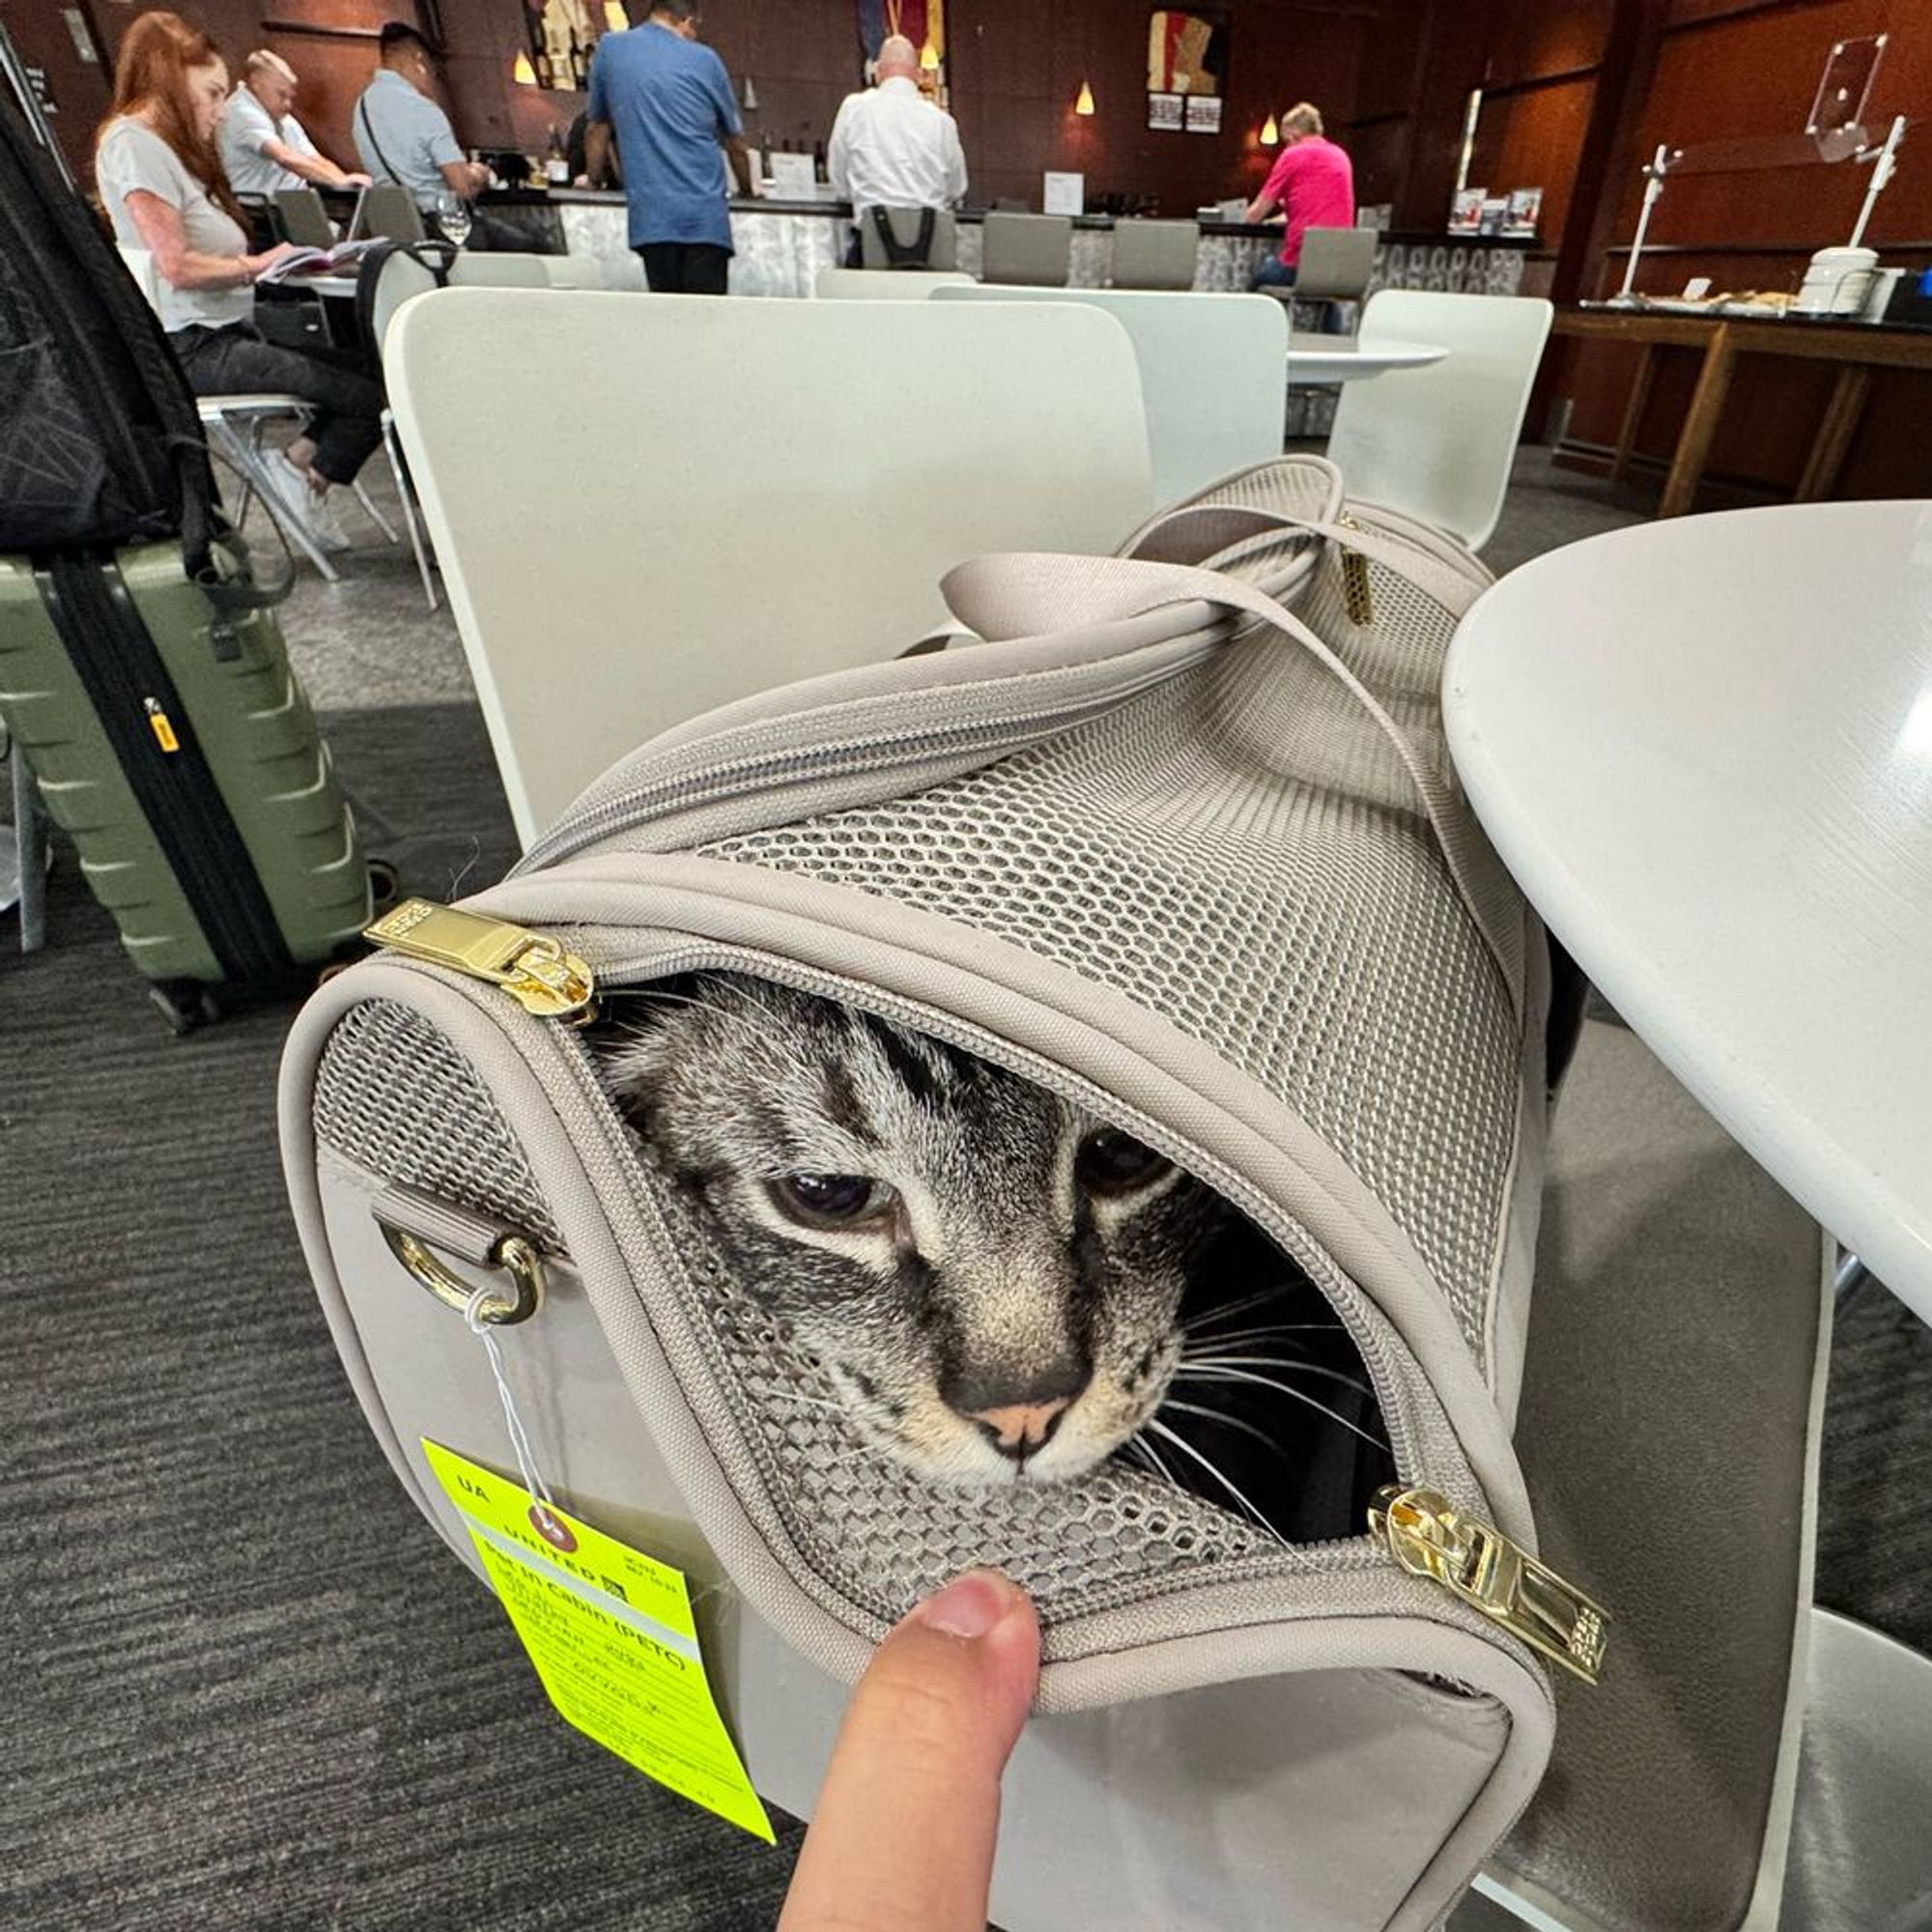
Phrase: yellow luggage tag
x=611 y=1634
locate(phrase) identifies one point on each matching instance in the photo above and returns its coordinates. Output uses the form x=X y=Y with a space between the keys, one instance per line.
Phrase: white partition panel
x=644 y=508
x=1213 y=373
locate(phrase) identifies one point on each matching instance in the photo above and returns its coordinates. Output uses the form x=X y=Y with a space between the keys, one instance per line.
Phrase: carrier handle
x=1231 y=523
x=412 y=1219
x=1029 y=594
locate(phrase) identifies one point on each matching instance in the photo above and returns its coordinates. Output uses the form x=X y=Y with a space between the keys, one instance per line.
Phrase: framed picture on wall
x=1187 y=50
x=1202 y=113
x=1164 y=112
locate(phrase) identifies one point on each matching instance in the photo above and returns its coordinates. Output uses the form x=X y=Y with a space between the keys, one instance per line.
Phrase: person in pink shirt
x=1312 y=183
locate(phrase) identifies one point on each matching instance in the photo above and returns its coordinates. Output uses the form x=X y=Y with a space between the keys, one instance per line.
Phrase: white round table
x=1704 y=748
x=1351 y=358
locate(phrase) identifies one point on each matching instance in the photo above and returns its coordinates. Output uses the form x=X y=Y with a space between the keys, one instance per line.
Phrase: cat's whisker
x=1219 y=1340
x=1295 y=1395
x=1230 y=1309
x=1182 y=1443
x=1228 y=1421
x=1273 y=1362
x=1154 y=1461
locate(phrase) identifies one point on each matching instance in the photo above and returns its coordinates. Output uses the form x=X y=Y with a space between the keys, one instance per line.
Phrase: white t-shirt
x=892 y=148
x=246 y=128
x=131 y=155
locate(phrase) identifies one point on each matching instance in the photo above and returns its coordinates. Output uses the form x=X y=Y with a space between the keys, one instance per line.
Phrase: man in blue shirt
x=669 y=102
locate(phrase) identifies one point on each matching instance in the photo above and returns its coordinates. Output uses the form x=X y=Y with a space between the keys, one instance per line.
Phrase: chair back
x=1213 y=372
x=1035 y=249
x=873 y=285
x=1438 y=442
x=388 y=277
x=1155 y=254
x=1336 y=263
x=582 y=271
x=388 y=211
x=907 y=224
x=747 y=505
x=140 y=264
x=302 y=218
x=506 y=271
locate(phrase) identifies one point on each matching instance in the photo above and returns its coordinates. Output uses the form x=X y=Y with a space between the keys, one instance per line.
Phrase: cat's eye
x=830 y=1200
x=1109 y=1162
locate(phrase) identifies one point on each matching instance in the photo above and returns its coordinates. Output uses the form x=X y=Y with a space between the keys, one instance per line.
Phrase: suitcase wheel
x=386 y=886
x=186 y=1005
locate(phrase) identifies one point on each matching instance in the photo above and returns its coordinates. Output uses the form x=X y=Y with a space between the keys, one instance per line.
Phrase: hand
x=904 y=1833
x=479 y=178
x=255 y=264
x=357 y=181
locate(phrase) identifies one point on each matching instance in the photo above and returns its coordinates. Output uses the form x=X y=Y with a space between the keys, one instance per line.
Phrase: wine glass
x=452 y=217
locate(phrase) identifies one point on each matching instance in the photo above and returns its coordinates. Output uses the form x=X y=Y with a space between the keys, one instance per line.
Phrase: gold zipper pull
x=1356 y=596
x=537 y=971
x=161 y=726
x=1430 y=1538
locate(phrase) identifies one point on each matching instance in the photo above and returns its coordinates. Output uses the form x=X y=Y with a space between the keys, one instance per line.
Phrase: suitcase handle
x=401 y=1211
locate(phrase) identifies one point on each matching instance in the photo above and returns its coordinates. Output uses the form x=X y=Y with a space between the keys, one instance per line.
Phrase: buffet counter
x=782 y=244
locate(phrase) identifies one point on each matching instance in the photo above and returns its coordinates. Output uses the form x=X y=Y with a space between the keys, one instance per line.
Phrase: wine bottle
x=579 y=63
x=819 y=162
x=546 y=74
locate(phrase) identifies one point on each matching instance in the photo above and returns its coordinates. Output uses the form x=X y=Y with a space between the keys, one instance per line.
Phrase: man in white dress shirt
x=264 y=147
x=891 y=147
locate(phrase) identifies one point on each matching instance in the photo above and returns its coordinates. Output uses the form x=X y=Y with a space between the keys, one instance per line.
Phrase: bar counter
x=782 y=244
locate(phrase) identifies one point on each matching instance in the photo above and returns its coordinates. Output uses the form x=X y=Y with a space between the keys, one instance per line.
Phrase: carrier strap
x=1024 y=595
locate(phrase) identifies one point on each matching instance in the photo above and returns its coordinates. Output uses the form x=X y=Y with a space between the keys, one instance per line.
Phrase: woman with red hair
x=161 y=184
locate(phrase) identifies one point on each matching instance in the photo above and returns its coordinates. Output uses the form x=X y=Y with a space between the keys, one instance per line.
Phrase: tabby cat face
x=991 y=1277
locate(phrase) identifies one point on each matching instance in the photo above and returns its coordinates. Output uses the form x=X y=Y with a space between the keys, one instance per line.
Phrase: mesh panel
x=395 y=1098
x=1231 y=853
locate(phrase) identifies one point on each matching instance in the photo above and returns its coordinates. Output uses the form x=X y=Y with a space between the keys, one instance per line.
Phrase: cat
x=1001 y=1286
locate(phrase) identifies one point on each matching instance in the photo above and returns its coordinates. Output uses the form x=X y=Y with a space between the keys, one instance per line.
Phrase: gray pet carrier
x=1173 y=834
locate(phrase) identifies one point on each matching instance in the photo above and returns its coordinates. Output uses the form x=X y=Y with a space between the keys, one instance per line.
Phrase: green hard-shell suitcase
x=143 y=677
x=171 y=742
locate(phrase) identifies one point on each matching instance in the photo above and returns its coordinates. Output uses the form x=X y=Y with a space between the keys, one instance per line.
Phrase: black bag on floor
x=143 y=675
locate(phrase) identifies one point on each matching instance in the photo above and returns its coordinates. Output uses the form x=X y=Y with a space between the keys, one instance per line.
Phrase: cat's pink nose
x=1021 y=1427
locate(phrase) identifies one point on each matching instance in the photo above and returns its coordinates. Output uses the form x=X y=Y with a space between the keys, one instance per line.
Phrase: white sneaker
x=323 y=525
x=290 y=488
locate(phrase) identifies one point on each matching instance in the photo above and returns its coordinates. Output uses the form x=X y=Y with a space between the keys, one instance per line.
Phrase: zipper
x=149 y=731
x=498 y=951
x=767 y=770
x=1417 y=1527
x=1429 y=1537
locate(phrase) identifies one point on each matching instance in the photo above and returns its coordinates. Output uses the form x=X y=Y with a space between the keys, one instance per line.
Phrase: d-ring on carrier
x=513 y=1253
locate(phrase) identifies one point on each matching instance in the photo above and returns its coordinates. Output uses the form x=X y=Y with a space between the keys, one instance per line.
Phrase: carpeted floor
x=247 y=1687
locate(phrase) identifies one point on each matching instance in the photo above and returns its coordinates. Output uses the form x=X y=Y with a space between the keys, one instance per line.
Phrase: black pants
x=347 y=422
x=686 y=267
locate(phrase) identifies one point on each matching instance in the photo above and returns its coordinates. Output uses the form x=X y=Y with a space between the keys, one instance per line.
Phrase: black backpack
x=100 y=440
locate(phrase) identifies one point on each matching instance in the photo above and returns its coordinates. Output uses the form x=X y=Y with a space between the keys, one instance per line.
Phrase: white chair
x=758 y=492
x=1213 y=371
x=236 y=425
x=1438 y=442
x=494 y=271
x=399 y=277
x=907 y=224
x=882 y=284
x=1154 y=254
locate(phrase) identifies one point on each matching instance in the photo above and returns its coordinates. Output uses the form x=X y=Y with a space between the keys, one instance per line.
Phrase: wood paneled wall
x=1724 y=69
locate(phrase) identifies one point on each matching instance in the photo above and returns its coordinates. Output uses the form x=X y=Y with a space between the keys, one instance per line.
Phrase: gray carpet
x=249 y=1687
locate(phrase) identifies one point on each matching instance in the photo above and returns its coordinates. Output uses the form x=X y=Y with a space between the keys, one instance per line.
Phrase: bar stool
x=1035 y=249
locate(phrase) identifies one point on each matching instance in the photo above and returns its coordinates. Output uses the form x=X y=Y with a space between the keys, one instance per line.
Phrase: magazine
x=316 y=261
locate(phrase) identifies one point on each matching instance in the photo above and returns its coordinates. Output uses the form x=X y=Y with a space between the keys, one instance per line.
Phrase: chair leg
x=375 y=515
x=30 y=852
x=249 y=461
x=405 y=497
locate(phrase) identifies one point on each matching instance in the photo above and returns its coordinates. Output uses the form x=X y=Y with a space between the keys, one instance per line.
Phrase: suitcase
x=143 y=674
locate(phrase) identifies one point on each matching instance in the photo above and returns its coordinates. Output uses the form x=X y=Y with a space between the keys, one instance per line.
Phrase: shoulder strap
x=374 y=146
x=1012 y=596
